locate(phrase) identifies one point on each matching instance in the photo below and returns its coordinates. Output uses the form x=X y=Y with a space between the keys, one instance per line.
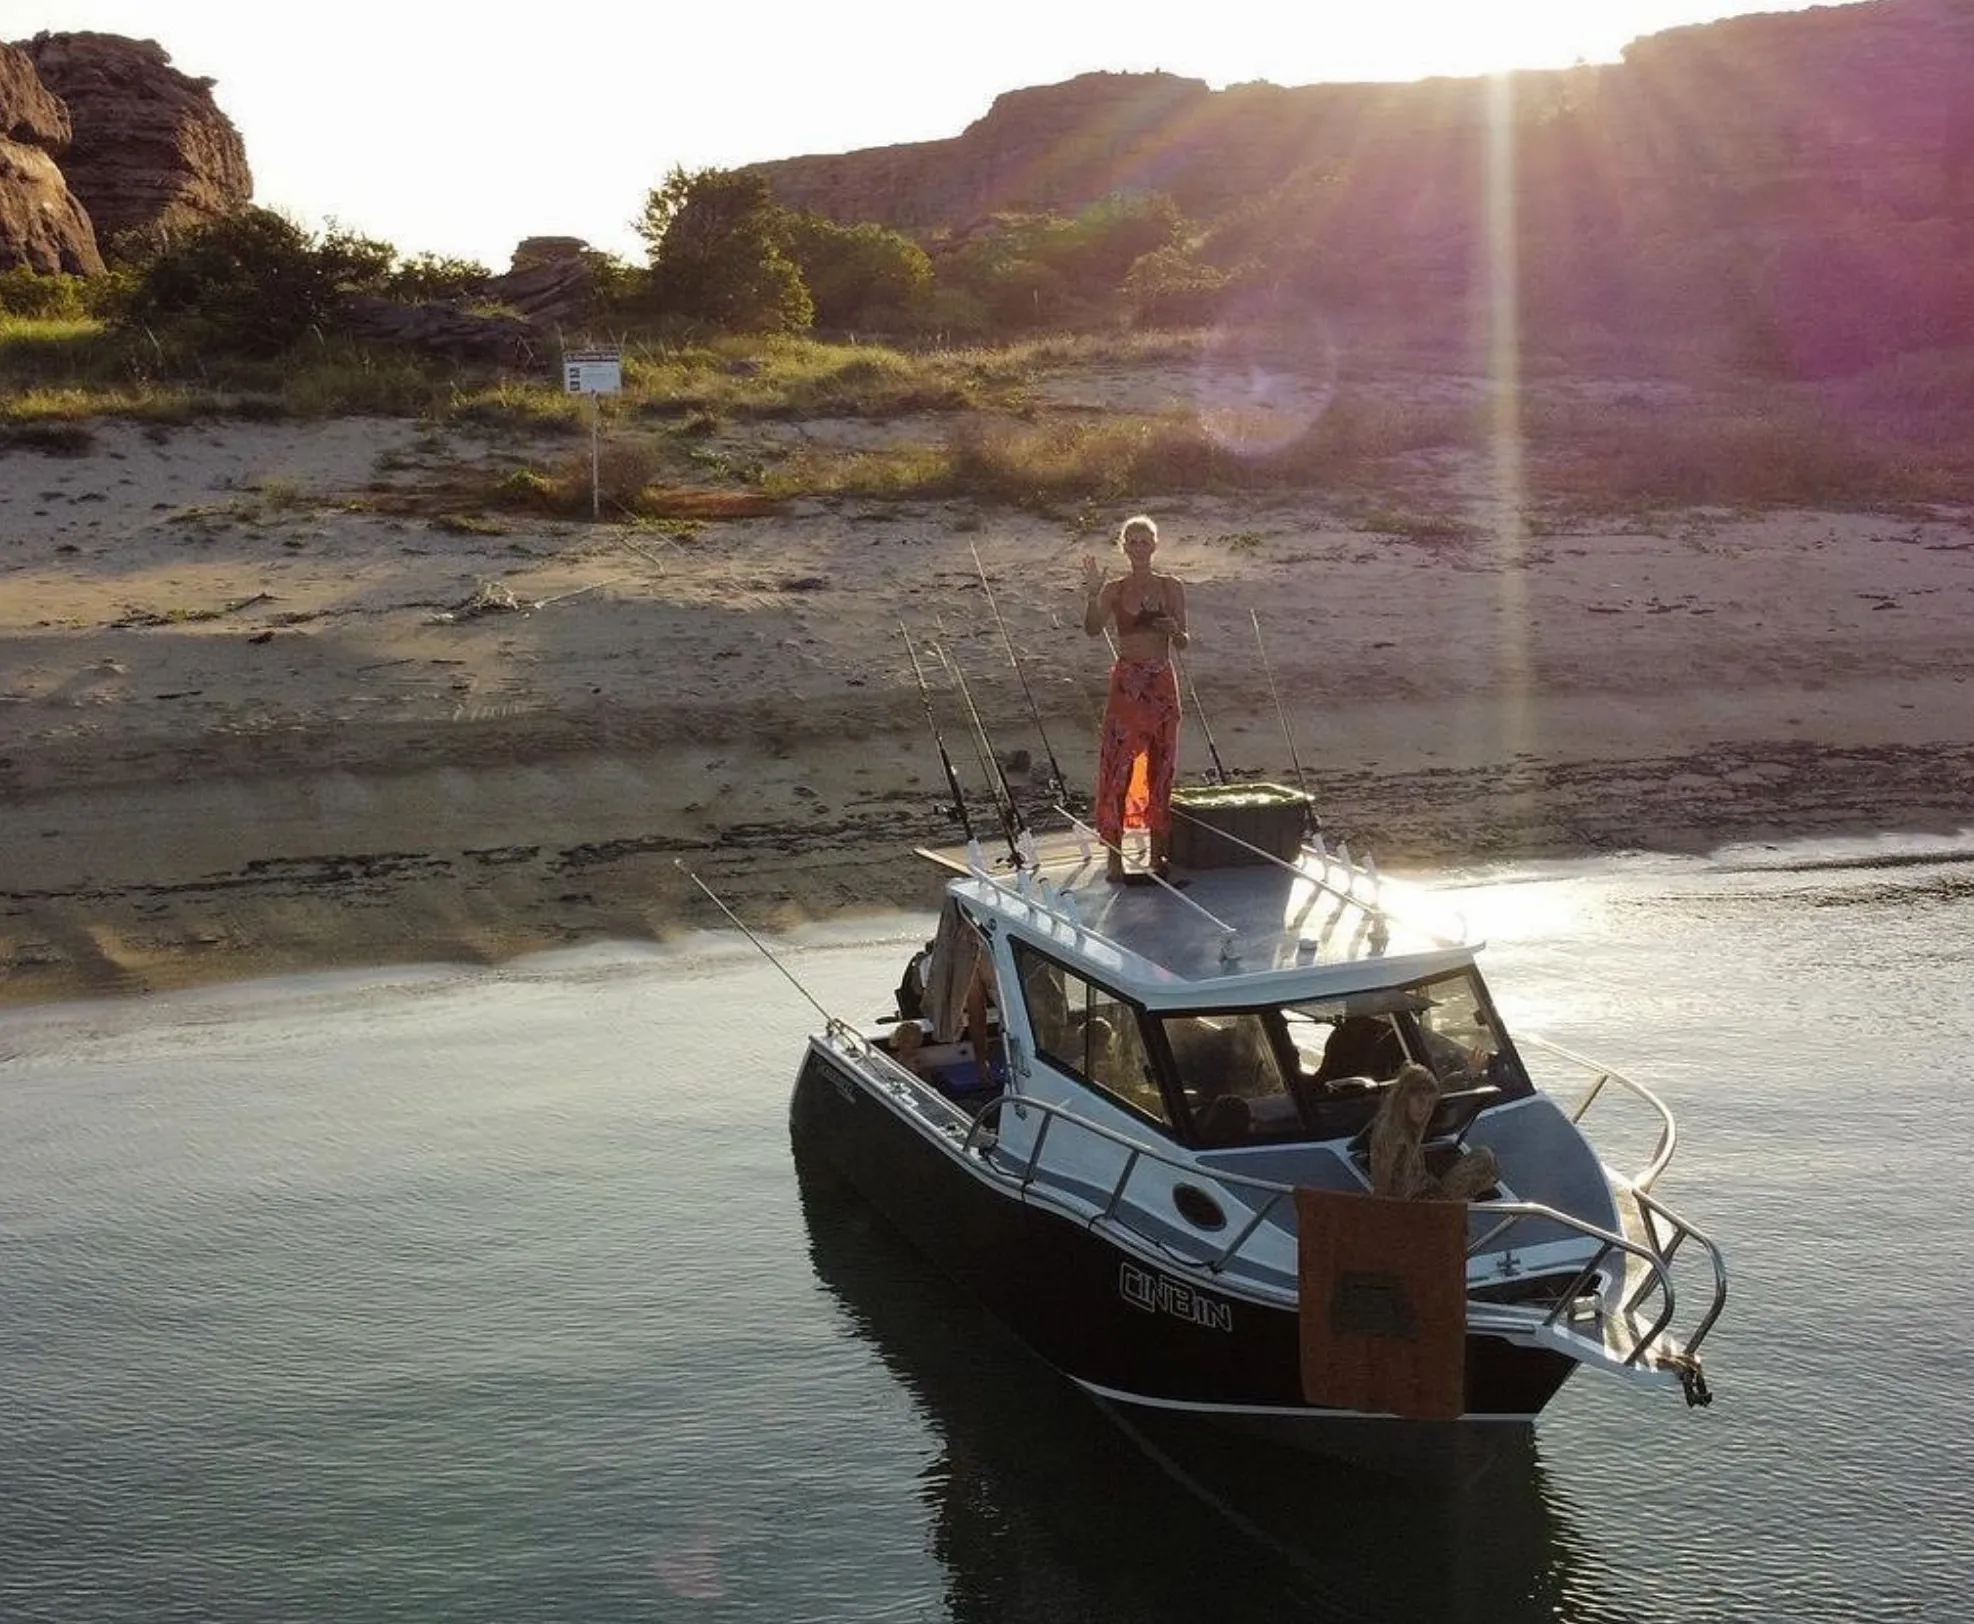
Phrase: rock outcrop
x=443 y=328
x=1047 y=147
x=550 y=281
x=1779 y=112
x=42 y=225
x=151 y=152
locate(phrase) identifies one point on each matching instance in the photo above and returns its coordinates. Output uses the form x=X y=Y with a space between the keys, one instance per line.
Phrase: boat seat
x=1361 y=1046
x=1332 y=1109
x=1224 y=1120
x=1447 y=1127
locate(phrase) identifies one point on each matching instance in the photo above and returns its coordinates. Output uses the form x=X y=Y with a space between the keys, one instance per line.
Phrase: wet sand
x=251 y=722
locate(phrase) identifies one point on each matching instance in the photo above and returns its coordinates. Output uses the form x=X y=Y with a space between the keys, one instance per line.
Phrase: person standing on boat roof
x=1138 y=754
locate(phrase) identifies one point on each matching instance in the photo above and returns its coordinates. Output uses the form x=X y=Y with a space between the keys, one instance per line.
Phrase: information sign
x=593 y=372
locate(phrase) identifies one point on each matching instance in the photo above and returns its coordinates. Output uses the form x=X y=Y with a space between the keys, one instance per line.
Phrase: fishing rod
x=1034 y=711
x=839 y=1027
x=1013 y=826
x=1282 y=715
x=1212 y=749
x=945 y=760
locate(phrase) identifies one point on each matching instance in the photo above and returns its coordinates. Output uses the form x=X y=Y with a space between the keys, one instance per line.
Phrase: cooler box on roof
x=1270 y=817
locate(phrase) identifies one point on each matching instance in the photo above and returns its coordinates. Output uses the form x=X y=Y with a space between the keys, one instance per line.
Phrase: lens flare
x=1262 y=383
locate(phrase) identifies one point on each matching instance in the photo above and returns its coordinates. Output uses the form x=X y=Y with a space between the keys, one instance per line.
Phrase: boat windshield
x=1316 y=1068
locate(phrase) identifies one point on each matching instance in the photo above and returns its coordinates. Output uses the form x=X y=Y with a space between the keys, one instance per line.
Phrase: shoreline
x=253 y=723
x=168 y=919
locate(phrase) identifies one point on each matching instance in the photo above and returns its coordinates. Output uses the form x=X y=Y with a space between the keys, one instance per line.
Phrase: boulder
x=530 y=251
x=151 y=152
x=42 y=225
x=550 y=280
x=450 y=330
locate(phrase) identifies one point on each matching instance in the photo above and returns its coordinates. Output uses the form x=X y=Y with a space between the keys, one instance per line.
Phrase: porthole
x=1197 y=1207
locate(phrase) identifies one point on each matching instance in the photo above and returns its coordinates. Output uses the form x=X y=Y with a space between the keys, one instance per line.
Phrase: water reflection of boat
x=1143 y=1126
x=1043 y=1506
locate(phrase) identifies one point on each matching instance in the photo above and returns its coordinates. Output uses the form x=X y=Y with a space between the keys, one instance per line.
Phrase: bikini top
x=1147 y=613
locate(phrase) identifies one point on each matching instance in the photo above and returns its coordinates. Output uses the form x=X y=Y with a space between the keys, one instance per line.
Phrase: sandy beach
x=258 y=713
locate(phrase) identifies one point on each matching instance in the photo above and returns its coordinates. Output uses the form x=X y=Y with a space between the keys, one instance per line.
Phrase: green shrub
x=43 y=296
x=866 y=276
x=1170 y=288
x=252 y=284
x=428 y=277
x=525 y=487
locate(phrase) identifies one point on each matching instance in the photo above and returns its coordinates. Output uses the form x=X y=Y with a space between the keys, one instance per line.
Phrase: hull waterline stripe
x=1199 y=1407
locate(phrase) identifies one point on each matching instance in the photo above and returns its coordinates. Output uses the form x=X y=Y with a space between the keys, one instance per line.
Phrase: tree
x=1094 y=252
x=1005 y=269
x=719 y=253
x=1037 y=270
x=859 y=276
x=1170 y=288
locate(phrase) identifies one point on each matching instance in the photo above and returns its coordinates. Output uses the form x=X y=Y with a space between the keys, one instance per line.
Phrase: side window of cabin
x=1088 y=1032
x=1045 y=994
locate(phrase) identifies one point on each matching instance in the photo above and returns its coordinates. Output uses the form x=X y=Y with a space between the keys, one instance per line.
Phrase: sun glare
x=1410 y=40
x=1527 y=907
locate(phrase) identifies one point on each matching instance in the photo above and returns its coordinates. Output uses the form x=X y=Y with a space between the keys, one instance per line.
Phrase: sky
x=459 y=129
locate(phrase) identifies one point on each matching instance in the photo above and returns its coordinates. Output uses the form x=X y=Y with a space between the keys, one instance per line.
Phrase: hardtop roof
x=1258 y=934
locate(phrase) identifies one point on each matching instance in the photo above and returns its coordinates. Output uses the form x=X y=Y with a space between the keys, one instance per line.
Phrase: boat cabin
x=1263 y=1007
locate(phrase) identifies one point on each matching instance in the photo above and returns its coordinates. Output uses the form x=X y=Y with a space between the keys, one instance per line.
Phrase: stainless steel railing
x=1668 y=1140
x=1652 y=1258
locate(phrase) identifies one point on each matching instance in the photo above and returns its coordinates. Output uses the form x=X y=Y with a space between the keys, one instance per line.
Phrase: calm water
x=494 y=1295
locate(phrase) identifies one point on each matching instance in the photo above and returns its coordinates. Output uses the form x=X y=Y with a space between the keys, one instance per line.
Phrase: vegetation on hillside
x=746 y=315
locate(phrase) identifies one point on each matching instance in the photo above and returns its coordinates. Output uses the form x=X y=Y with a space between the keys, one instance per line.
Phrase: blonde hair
x=1137 y=521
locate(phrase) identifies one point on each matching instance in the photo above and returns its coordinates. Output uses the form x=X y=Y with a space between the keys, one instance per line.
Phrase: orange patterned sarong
x=1138 y=753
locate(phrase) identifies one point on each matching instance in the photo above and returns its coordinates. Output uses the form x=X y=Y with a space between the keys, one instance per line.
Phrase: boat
x=1141 y=1123
x=1028 y=1490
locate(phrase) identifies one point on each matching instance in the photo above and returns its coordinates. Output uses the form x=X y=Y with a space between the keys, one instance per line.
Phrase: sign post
x=594 y=373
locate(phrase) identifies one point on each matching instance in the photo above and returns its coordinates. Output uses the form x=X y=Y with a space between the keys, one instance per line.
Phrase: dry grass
x=679 y=436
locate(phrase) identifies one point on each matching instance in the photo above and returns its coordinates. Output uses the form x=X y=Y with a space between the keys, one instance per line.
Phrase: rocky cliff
x=1061 y=147
x=151 y=151
x=42 y=225
x=1797 y=187
x=1763 y=112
